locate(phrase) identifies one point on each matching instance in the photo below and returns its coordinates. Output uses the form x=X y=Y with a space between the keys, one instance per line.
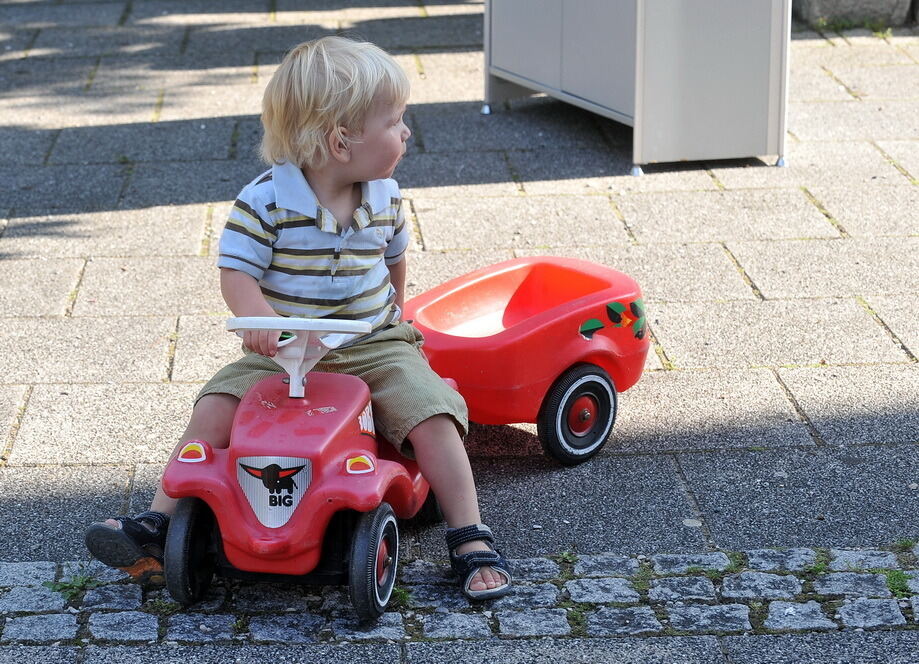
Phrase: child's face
x=380 y=147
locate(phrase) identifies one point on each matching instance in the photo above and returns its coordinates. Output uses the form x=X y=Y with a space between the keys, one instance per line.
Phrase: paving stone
x=890 y=210
x=158 y=231
x=534 y=569
x=525 y=222
x=734 y=408
x=849 y=646
x=852 y=583
x=92 y=568
x=427 y=175
x=680 y=563
x=432 y=268
x=98 y=350
x=37 y=287
x=759 y=585
x=528 y=597
x=61 y=189
x=424 y=572
x=40 y=629
x=831 y=268
x=782 y=560
x=390 y=627
x=538 y=622
x=681 y=588
x=858 y=559
x=438 y=597
x=913 y=581
x=456 y=626
x=606 y=564
x=51 y=16
x=199 y=628
x=120 y=596
x=887 y=120
x=905 y=153
x=31 y=598
x=146 y=419
x=161 y=183
x=63 y=42
x=729 y=215
x=873 y=404
x=27 y=573
x=818 y=497
x=793 y=616
x=609 y=621
x=129 y=626
x=757 y=334
x=701 y=618
x=896 y=314
x=599 y=591
x=288 y=628
x=871 y=613
x=914 y=602
x=148 y=286
x=270 y=597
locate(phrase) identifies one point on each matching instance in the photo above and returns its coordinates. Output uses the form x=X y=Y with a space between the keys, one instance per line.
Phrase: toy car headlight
x=360 y=465
x=194 y=451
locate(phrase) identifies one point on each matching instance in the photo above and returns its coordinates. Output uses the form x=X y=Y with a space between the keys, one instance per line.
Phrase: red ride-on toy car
x=304 y=492
x=543 y=339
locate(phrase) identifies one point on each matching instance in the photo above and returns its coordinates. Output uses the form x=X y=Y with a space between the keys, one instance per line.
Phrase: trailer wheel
x=577 y=414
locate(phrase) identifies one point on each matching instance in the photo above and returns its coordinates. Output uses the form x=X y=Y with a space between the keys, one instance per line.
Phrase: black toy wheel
x=188 y=557
x=577 y=414
x=374 y=559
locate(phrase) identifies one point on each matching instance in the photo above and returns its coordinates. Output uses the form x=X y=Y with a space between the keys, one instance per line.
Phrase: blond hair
x=322 y=86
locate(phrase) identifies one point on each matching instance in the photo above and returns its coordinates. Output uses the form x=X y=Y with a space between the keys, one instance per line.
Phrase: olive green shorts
x=404 y=390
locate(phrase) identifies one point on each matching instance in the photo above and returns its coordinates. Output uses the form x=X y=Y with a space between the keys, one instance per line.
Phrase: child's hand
x=263 y=342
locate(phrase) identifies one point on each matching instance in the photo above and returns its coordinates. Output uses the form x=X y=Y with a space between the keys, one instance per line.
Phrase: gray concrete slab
x=32 y=191
x=245 y=41
x=851 y=647
x=149 y=286
x=705 y=410
x=126 y=76
x=37 y=287
x=161 y=141
x=887 y=211
x=669 y=272
x=856 y=120
x=663 y=650
x=444 y=77
x=151 y=231
x=530 y=124
x=44 y=509
x=417 y=31
x=14 y=42
x=199 y=12
x=380 y=653
x=460 y=174
x=812 y=164
x=80 y=108
x=146 y=480
x=816 y=497
x=55 y=350
x=123 y=40
x=898 y=313
x=772 y=333
x=584 y=171
x=203 y=346
x=724 y=215
x=878 y=83
x=77 y=424
x=47 y=78
x=905 y=153
x=815 y=84
x=623 y=505
x=840 y=53
x=522 y=221
x=26 y=146
x=50 y=16
x=831 y=268
x=202 y=104
x=427 y=269
x=160 y=183
x=849 y=405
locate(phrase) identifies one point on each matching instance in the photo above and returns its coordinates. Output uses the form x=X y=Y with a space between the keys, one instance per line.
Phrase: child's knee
x=212 y=419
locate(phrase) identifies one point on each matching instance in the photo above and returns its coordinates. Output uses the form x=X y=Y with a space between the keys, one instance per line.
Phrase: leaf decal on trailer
x=589 y=327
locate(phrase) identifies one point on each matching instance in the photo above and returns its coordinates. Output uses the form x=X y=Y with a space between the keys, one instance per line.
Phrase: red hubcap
x=384 y=561
x=582 y=414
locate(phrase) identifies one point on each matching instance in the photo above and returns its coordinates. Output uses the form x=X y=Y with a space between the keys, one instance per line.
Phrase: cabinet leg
x=781 y=163
x=636 y=170
x=486 y=109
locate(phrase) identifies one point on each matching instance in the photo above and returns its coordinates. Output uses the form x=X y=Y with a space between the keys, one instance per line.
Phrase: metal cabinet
x=697 y=79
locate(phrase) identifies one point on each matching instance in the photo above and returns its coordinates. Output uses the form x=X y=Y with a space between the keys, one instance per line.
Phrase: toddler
x=323 y=234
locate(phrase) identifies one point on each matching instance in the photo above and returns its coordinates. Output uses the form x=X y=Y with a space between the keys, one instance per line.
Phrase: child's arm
x=397 y=279
x=242 y=294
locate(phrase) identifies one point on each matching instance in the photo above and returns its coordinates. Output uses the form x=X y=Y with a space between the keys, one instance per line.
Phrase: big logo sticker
x=273 y=486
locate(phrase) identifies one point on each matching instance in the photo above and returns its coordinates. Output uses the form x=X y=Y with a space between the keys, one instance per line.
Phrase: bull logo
x=274 y=478
x=273 y=485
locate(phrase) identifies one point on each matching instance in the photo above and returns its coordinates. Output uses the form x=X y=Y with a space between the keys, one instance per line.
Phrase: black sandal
x=133 y=548
x=466 y=565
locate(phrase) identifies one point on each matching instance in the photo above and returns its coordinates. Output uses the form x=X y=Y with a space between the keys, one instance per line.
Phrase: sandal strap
x=159 y=520
x=477 y=532
x=467 y=565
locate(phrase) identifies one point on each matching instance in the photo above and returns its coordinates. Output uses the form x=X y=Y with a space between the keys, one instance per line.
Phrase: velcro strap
x=476 y=559
x=474 y=533
x=158 y=519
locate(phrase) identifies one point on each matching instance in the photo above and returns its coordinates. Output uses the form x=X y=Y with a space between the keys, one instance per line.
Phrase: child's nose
x=406 y=133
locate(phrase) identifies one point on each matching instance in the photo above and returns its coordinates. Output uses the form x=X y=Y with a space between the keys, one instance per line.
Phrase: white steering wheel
x=310 y=340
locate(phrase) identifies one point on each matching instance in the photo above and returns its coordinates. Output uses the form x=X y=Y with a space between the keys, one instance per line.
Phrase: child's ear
x=339 y=146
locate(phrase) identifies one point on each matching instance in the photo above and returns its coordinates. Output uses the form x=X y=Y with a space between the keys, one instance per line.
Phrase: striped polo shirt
x=306 y=265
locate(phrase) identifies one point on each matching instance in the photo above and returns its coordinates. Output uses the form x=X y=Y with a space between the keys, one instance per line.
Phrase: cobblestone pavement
x=779 y=409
